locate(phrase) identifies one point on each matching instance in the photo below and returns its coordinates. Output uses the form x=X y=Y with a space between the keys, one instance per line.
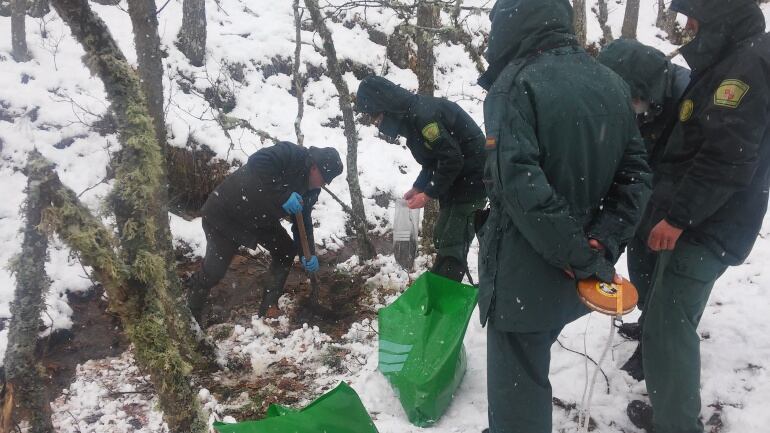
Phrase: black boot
x=197 y=294
x=640 y=414
x=635 y=366
x=278 y=276
x=450 y=267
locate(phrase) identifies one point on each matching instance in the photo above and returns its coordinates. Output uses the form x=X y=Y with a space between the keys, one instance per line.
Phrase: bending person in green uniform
x=449 y=145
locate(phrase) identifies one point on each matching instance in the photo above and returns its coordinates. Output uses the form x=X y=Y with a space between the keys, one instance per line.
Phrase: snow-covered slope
x=47 y=104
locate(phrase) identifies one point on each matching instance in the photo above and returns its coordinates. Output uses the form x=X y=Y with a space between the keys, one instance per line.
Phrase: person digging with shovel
x=280 y=181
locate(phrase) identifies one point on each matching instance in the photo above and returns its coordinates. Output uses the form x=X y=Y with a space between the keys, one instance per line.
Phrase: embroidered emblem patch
x=431 y=132
x=730 y=93
x=491 y=143
x=685 y=110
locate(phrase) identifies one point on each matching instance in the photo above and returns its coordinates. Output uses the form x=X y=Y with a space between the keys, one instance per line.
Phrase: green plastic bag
x=421 y=344
x=338 y=411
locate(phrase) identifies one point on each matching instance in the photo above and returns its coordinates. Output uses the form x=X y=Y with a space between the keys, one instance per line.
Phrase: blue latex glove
x=310 y=265
x=293 y=205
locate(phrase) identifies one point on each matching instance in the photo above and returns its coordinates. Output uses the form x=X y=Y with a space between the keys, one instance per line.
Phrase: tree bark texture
x=26 y=396
x=192 y=35
x=602 y=14
x=579 y=21
x=666 y=21
x=160 y=330
x=366 y=250
x=19 y=31
x=38 y=8
x=428 y=17
x=144 y=19
x=630 y=19
x=298 y=87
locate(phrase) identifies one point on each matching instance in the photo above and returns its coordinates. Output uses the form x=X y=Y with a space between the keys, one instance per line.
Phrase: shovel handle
x=302 y=235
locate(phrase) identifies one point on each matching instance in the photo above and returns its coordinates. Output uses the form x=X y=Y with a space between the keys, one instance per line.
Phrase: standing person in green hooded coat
x=567 y=181
x=656 y=85
x=449 y=145
x=709 y=200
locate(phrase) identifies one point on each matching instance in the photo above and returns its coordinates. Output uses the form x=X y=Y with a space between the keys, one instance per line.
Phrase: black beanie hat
x=327 y=160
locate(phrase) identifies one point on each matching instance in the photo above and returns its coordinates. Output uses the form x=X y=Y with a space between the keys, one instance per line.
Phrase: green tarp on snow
x=338 y=411
x=421 y=344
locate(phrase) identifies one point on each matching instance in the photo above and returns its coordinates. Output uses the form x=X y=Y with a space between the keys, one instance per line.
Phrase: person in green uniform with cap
x=709 y=200
x=656 y=85
x=567 y=181
x=449 y=145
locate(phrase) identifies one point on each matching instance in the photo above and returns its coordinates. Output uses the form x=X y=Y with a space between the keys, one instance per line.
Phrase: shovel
x=306 y=253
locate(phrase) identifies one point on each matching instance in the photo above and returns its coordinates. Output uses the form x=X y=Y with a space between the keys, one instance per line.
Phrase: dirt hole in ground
x=237 y=297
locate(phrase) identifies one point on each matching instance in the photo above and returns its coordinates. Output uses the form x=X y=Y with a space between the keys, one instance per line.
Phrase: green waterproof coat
x=715 y=171
x=564 y=160
x=442 y=137
x=652 y=78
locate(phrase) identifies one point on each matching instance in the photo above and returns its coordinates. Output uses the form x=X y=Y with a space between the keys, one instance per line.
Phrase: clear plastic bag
x=406 y=223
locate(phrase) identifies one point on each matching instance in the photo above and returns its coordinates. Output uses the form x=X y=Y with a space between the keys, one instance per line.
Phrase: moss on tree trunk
x=160 y=328
x=26 y=396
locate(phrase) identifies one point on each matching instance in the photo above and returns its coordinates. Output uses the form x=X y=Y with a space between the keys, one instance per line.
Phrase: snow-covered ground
x=47 y=104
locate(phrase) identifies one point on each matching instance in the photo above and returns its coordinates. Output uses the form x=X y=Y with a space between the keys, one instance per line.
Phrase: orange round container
x=607 y=298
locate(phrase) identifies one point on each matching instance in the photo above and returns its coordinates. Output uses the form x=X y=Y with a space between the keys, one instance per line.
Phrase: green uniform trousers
x=681 y=285
x=518 y=389
x=641 y=266
x=453 y=234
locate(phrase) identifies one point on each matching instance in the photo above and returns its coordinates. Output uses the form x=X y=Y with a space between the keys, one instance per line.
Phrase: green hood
x=646 y=69
x=379 y=95
x=723 y=24
x=521 y=28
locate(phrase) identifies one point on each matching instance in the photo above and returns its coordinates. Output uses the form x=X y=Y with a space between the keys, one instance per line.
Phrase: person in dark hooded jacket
x=709 y=200
x=656 y=85
x=449 y=145
x=567 y=182
x=246 y=209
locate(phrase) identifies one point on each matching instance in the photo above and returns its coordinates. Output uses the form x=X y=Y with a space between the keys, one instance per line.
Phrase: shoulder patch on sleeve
x=686 y=109
x=730 y=93
x=431 y=132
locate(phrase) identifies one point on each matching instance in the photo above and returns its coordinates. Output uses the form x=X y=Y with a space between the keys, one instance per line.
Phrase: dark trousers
x=452 y=236
x=220 y=251
x=641 y=266
x=681 y=285
x=518 y=389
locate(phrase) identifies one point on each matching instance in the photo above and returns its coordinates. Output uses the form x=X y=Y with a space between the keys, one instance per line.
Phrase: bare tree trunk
x=192 y=36
x=579 y=22
x=465 y=38
x=144 y=19
x=26 y=396
x=298 y=88
x=366 y=249
x=428 y=17
x=602 y=15
x=630 y=19
x=38 y=8
x=151 y=317
x=666 y=21
x=19 y=31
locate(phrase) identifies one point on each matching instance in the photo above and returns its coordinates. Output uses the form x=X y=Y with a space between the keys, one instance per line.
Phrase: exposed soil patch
x=237 y=297
x=95 y=334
